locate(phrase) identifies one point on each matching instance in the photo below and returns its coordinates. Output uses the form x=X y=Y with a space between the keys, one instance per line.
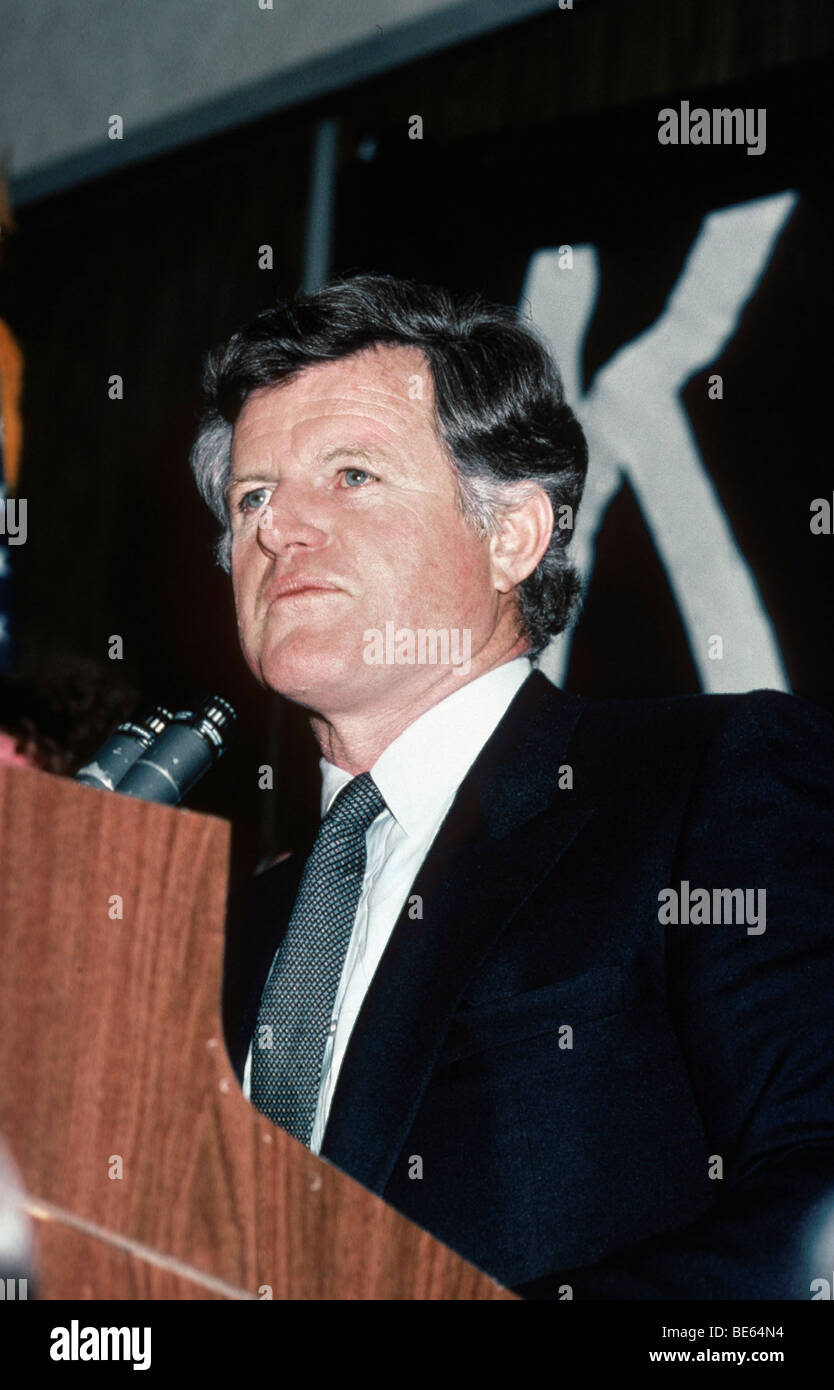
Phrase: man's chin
x=312 y=674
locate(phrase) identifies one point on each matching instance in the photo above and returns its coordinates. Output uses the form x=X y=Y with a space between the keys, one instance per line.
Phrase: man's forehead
x=392 y=377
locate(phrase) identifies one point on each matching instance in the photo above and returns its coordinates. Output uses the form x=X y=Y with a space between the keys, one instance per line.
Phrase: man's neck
x=355 y=742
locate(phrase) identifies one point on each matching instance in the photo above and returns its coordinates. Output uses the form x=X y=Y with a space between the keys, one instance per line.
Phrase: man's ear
x=523 y=535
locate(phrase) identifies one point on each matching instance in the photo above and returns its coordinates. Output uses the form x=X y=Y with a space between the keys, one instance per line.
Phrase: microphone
x=122 y=749
x=181 y=754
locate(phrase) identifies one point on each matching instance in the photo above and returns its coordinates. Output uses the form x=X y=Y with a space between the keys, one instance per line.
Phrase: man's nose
x=291 y=520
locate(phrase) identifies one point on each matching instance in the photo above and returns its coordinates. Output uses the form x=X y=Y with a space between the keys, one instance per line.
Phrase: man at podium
x=554 y=977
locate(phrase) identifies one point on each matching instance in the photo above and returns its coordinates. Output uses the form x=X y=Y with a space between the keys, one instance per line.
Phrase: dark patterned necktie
x=294 y=1017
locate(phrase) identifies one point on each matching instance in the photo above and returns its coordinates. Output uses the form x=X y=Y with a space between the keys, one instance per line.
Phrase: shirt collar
x=419 y=773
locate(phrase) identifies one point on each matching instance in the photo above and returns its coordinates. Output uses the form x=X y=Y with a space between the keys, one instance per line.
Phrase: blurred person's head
x=58 y=708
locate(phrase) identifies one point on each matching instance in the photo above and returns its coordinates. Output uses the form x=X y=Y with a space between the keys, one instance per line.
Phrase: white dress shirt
x=418 y=775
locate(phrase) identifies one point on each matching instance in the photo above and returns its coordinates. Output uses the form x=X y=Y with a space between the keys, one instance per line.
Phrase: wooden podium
x=148 y=1175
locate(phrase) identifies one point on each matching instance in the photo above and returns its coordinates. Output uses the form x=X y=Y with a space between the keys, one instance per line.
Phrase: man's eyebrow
x=366 y=451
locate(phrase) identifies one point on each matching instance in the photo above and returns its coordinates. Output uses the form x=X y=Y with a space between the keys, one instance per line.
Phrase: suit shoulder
x=660 y=741
x=768 y=737
x=701 y=716
x=649 y=725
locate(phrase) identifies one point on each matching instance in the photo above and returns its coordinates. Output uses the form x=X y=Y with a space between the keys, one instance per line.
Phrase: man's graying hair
x=499 y=406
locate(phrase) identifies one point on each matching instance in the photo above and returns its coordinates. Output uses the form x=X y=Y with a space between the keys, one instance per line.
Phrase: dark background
x=536 y=136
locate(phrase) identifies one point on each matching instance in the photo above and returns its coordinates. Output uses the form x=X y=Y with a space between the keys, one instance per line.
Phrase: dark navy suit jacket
x=588 y=1158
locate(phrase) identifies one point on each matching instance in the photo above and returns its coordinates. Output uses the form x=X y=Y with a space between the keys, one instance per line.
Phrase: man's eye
x=249 y=501
x=355 y=477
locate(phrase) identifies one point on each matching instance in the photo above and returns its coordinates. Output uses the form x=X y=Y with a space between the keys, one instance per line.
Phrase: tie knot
x=357 y=804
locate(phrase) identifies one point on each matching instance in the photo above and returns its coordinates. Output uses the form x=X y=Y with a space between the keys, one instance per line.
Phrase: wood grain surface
x=148 y=1173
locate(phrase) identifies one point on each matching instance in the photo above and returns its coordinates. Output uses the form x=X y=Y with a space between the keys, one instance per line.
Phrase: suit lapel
x=506 y=829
